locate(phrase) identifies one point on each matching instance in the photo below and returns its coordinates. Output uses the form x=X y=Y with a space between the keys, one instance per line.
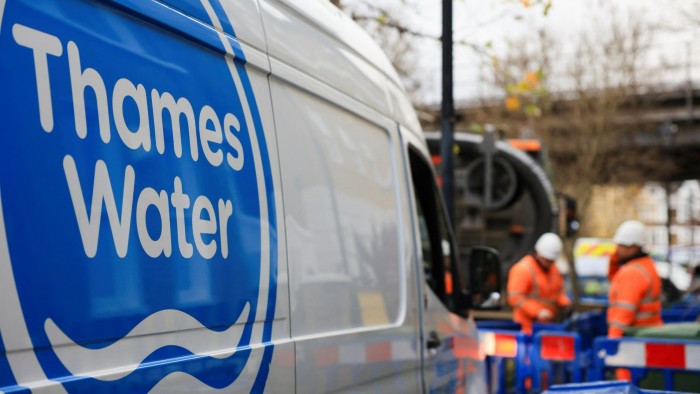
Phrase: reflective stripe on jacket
x=635 y=297
x=531 y=289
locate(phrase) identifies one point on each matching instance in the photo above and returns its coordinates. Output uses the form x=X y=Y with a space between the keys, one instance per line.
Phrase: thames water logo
x=136 y=208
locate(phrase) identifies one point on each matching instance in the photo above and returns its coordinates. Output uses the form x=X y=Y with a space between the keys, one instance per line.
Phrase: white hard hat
x=630 y=233
x=548 y=246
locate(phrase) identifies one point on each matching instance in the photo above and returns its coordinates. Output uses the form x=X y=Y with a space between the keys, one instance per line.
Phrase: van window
x=439 y=265
x=341 y=215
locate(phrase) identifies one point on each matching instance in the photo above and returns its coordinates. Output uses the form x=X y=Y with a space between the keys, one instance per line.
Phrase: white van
x=220 y=195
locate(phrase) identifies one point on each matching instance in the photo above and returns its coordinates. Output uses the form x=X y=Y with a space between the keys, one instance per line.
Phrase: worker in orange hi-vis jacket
x=635 y=289
x=535 y=286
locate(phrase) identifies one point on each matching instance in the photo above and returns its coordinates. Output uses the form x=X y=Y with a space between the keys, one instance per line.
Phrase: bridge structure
x=660 y=142
x=673 y=132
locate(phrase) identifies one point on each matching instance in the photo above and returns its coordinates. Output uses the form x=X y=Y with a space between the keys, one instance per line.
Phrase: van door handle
x=433 y=341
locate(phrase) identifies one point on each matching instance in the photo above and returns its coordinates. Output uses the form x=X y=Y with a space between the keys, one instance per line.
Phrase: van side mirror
x=485 y=280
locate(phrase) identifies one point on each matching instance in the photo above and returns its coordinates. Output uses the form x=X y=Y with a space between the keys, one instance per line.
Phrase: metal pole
x=691 y=201
x=488 y=148
x=689 y=84
x=447 y=111
x=668 y=227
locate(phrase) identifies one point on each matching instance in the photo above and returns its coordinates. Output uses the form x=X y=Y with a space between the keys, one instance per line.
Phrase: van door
x=353 y=313
x=451 y=360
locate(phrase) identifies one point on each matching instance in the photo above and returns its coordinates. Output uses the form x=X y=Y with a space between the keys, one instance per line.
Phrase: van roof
x=353 y=63
x=336 y=23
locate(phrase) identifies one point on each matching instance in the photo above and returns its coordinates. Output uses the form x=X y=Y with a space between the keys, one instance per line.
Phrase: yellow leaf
x=533 y=110
x=526 y=3
x=512 y=89
x=524 y=86
x=512 y=103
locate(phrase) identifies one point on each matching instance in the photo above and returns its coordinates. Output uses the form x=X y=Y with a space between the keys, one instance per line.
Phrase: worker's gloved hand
x=545 y=316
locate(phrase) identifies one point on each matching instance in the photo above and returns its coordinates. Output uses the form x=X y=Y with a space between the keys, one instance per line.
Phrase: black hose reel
x=491 y=192
x=491 y=180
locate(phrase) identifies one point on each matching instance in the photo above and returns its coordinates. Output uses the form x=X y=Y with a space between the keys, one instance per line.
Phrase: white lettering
x=79 y=80
x=181 y=202
x=101 y=191
x=204 y=216
x=209 y=130
x=225 y=211
x=182 y=107
x=163 y=245
x=206 y=219
x=206 y=135
x=231 y=122
x=142 y=136
x=41 y=44
x=203 y=226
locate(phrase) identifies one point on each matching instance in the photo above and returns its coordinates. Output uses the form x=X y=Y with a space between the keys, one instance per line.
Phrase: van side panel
x=138 y=209
x=340 y=212
x=348 y=279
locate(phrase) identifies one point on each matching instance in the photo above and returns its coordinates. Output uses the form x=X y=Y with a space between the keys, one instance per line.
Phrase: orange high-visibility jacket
x=635 y=297
x=531 y=289
x=614 y=266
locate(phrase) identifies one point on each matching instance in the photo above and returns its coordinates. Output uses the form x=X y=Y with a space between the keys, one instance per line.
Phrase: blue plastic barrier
x=497 y=325
x=679 y=315
x=601 y=388
x=589 y=325
x=682 y=311
x=688 y=301
x=500 y=346
x=641 y=355
x=537 y=327
x=556 y=356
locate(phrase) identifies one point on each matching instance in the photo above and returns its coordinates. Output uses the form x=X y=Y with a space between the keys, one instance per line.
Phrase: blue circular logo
x=137 y=216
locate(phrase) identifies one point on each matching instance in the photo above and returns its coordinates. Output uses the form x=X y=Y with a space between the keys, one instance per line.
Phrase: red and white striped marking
x=354 y=353
x=656 y=355
x=397 y=350
x=498 y=344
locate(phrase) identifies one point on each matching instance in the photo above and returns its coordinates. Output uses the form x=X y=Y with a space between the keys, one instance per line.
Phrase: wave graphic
x=174 y=328
x=180 y=382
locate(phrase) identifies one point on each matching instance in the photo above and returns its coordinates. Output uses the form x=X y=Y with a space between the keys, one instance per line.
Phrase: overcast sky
x=502 y=21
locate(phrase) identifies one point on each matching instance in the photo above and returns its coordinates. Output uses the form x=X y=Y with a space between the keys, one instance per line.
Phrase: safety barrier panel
x=683 y=311
x=537 y=327
x=589 y=325
x=601 y=388
x=679 y=315
x=641 y=355
x=578 y=351
x=499 y=346
x=557 y=358
x=497 y=325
